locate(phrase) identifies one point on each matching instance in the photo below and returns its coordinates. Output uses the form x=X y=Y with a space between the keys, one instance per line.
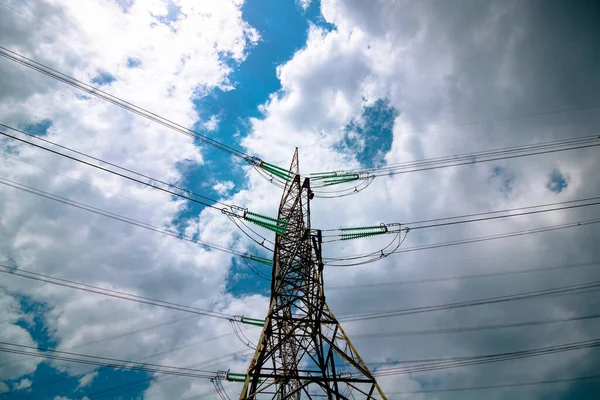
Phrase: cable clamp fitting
x=235 y=211
x=253 y=160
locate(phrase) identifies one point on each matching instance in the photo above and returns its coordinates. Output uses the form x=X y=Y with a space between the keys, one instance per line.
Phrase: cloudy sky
x=352 y=84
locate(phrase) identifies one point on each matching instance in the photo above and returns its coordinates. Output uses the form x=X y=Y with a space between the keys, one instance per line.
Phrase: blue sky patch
x=103 y=78
x=36 y=328
x=557 y=182
x=125 y=4
x=133 y=62
x=370 y=137
x=283 y=27
x=505 y=178
x=173 y=11
x=38 y=128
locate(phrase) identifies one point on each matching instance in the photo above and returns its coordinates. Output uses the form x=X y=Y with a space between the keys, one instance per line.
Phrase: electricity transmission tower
x=303 y=352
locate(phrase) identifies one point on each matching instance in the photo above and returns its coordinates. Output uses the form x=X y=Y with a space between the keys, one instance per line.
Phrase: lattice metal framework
x=303 y=352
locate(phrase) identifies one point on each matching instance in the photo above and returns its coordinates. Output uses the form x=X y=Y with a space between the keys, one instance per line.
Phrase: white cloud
x=223 y=188
x=3 y=387
x=87 y=379
x=212 y=124
x=304 y=3
x=437 y=67
x=22 y=384
x=10 y=313
x=175 y=63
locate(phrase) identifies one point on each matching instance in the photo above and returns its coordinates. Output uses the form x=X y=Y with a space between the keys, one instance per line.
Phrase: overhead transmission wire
x=500 y=386
x=473 y=328
x=323 y=194
x=34 y=351
x=473 y=158
x=446 y=363
x=378 y=254
x=342 y=234
x=5 y=269
x=394 y=228
x=424 y=368
x=94 y=91
x=123 y=388
x=179 y=307
x=137 y=383
x=16 y=158
x=463 y=277
x=20 y=59
x=231 y=215
x=140 y=111
x=489 y=218
x=486 y=153
x=121 y=218
x=420 y=362
x=411 y=223
x=561 y=290
x=145 y=183
x=130 y=333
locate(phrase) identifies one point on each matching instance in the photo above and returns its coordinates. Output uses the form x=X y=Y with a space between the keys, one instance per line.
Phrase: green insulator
x=252 y=321
x=266 y=225
x=280 y=222
x=338 y=181
x=350 y=236
x=236 y=377
x=287 y=178
x=275 y=169
x=281 y=175
x=319 y=178
x=273 y=166
x=363 y=228
x=261 y=260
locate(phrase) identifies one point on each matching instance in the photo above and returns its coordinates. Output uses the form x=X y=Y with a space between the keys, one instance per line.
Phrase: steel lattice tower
x=303 y=352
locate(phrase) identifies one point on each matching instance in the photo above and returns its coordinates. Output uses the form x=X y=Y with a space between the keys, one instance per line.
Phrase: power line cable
x=476 y=161
x=16 y=158
x=461 y=329
x=470 y=303
x=113 y=337
x=489 y=218
x=486 y=153
x=445 y=363
x=118 y=217
x=377 y=255
x=120 y=174
x=204 y=363
x=410 y=363
x=143 y=382
x=396 y=227
x=105 y=361
x=94 y=91
x=5 y=269
x=500 y=236
x=462 y=277
x=499 y=386
x=139 y=383
x=68 y=353
x=469 y=158
x=502 y=211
